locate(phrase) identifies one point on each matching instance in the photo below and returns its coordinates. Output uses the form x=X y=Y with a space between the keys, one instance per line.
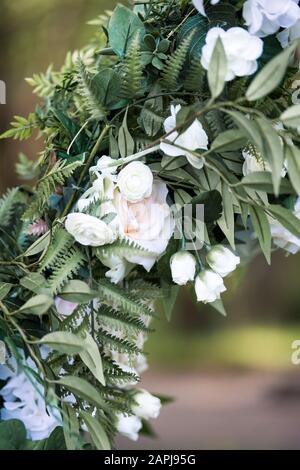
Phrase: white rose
x=208 y=286
x=129 y=426
x=242 y=51
x=88 y=230
x=265 y=17
x=147 y=406
x=282 y=237
x=222 y=260
x=135 y=182
x=199 y=5
x=105 y=165
x=192 y=139
x=64 y=307
x=149 y=223
x=119 y=267
x=183 y=267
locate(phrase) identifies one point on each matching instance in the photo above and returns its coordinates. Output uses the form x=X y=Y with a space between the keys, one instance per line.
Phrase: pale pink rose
x=64 y=307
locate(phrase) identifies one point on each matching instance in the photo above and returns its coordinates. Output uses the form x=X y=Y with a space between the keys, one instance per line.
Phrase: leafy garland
x=113 y=98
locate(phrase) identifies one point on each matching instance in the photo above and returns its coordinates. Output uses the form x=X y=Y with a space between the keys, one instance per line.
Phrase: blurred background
x=232 y=378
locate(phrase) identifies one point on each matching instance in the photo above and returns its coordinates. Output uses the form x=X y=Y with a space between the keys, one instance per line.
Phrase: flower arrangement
x=171 y=154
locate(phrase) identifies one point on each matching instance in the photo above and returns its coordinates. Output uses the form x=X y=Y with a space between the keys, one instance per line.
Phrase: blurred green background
x=199 y=345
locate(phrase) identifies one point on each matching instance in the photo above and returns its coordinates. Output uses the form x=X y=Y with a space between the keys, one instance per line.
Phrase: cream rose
x=148 y=223
x=88 y=230
x=135 y=182
x=129 y=426
x=222 y=260
x=183 y=267
x=147 y=406
x=208 y=286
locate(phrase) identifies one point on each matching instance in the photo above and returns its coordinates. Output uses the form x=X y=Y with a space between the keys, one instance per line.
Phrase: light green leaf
x=286 y=218
x=92 y=358
x=272 y=150
x=77 y=292
x=123 y=27
x=71 y=427
x=228 y=141
x=169 y=298
x=5 y=287
x=226 y=222
x=64 y=342
x=219 y=306
x=34 y=282
x=125 y=141
x=247 y=126
x=96 y=431
x=38 y=305
x=217 y=69
x=83 y=389
x=291 y=117
x=39 y=245
x=262 y=181
x=262 y=229
x=292 y=155
x=270 y=76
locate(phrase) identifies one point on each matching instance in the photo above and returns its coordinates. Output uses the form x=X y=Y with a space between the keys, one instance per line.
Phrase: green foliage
x=174 y=65
x=21 y=129
x=132 y=72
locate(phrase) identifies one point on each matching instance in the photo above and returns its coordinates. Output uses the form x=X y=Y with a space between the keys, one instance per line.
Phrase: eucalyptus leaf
x=291 y=117
x=77 y=291
x=96 y=431
x=34 y=282
x=39 y=245
x=263 y=181
x=125 y=141
x=229 y=140
x=286 y=218
x=64 y=342
x=292 y=154
x=90 y=355
x=38 y=305
x=262 y=229
x=123 y=28
x=83 y=389
x=217 y=69
x=5 y=288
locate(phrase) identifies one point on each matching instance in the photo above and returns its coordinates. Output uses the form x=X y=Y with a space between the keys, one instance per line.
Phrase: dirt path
x=225 y=411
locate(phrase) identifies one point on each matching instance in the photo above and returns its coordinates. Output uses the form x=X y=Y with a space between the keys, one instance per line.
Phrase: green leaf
x=272 y=150
x=262 y=229
x=92 y=358
x=38 y=305
x=126 y=142
x=106 y=85
x=270 y=76
x=64 y=342
x=123 y=27
x=77 y=292
x=168 y=301
x=12 y=434
x=5 y=287
x=219 y=307
x=247 y=126
x=39 y=245
x=291 y=117
x=34 y=282
x=71 y=427
x=292 y=154
x=217 y=69
x=226 y=222
x=212 y=201
x=286 y=218
x=228 y=141
x=96 y=431
x=197 y=24
x=83 y=389
x=262 y=181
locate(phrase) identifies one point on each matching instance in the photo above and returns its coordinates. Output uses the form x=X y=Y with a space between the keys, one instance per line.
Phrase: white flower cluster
x=24 y=400
x=209 y=282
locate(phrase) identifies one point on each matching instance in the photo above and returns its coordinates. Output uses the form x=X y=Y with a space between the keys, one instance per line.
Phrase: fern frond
x=113 y=343
x=26 y=169
x=123 y=247
x=195 y=77
x=7 y=203
x=44 y=83
x=21 y=129
x=122 y=298
x=67 y=266
x=115 y=375
x=88 y=92
x=132 y=72
x=174 y=65
x=121 y=321
x=61 y=243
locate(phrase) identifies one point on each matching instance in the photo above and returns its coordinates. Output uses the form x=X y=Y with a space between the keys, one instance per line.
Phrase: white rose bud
x=88 y=230
x=222 y=260
x=129 y=426
x=147 y=406
x=183 y=267
x=135 y=182
x=209 y=286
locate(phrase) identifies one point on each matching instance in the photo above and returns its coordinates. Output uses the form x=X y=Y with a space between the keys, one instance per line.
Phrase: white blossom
x=265 y=17
x=88 y=230
x=199 y=5
x=146 y=405
x=241 y=48
x=282 y=237
x=183 y=267
x=221 y=260
x=129 y=426
x=192 y=139
x=135 y=182
x=208 y=286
